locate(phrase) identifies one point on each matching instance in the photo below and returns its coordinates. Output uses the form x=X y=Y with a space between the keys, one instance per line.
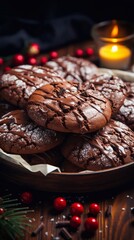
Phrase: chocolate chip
x=62 y=223
x=37 y=230
x=65 y=234
x=61 y=92
x=108 y=211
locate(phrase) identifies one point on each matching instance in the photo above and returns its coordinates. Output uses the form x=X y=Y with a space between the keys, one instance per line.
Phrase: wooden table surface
x=117 y=225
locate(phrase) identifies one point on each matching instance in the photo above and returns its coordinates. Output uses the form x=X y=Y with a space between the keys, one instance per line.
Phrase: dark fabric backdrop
x=54 y=23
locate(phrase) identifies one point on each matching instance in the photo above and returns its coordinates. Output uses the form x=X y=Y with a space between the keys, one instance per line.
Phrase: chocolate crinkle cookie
x=65 y=108
x=113 y=88
x=112 y=146
x=18 y=134
x=20 y=82
x=72 y=68
x=126 y=112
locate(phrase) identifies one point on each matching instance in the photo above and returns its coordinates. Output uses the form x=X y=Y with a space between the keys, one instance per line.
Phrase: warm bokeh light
x=115 y=31
x=114 y=48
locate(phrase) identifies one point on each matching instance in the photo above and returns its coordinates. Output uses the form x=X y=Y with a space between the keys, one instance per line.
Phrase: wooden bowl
x=68 y=182
x=71 y=182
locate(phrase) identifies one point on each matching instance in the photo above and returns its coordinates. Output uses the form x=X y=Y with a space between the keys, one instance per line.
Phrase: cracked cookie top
x=20 y=82
x=72 y=68
x=112 y=146
x=126 y=112
x=18 y=134
x=113 y=88
x=64 y=107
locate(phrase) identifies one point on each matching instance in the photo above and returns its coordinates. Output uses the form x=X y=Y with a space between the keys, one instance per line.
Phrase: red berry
x=60 y=203
x=1 y=211
x=76 y=209
x=33 y=49
x=18 y=59
x=75 y=222
x=79 y=52
x=43 y=60
x=7 y=68
x=53 y=54
x=91 y=224
x=26 y=197
x=32 y=61
x=89 y=51
x=1 y=61
x=94 y=209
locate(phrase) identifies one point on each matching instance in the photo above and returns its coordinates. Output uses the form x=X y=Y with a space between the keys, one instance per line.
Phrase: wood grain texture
x=119 y=225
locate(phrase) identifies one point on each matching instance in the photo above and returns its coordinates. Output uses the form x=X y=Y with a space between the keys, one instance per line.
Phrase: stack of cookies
x=66 y=111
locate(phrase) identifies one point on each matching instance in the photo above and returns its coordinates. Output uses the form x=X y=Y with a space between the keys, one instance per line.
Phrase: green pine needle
x=13 y=221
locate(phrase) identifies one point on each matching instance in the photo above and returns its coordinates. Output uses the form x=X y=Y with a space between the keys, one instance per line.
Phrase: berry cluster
x=87 y=53
x=76 y=210
x=31 y=56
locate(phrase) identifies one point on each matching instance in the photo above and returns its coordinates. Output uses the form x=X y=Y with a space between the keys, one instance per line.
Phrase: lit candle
x=115 y=56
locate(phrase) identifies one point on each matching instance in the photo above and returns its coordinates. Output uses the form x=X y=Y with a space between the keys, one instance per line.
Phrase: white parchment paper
x=18 y=160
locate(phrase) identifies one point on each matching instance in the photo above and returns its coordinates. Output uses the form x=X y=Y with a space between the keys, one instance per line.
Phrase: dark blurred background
x=53 y=24
x=49 y=9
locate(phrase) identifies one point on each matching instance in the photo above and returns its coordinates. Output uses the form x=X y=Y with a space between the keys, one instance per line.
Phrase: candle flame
x=114 y=48
x=115 y=31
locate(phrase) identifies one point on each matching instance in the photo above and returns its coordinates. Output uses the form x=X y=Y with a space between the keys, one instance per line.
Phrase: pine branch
x=13 y=220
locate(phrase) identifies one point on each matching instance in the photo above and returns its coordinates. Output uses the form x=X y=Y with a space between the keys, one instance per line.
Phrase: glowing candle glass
x=114 y=40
